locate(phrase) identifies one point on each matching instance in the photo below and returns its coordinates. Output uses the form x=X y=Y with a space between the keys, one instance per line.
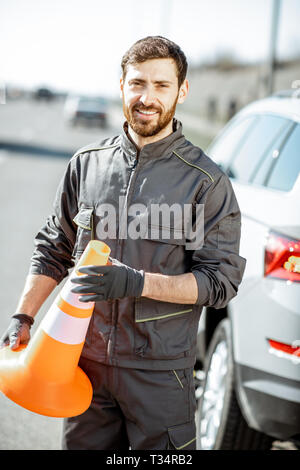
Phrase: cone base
x=57 y=400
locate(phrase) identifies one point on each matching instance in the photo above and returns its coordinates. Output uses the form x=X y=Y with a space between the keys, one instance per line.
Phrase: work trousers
x=134 y=409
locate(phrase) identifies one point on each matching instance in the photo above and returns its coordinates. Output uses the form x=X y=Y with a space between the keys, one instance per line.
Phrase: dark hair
x=156 y=47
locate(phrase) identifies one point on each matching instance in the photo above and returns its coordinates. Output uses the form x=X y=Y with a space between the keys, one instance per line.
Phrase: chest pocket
x=85 y=229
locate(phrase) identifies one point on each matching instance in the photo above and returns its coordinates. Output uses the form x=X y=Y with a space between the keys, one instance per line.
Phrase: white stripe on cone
x=65 y=328
x=73 y=299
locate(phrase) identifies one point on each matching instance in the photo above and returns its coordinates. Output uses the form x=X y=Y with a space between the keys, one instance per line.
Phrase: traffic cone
x=44 y=377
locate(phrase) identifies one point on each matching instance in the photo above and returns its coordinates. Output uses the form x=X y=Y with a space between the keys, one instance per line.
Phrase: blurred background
x=237 y=50
x=59 y=90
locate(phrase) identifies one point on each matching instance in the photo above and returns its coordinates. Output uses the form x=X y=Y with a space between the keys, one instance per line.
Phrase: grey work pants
x=135 y=409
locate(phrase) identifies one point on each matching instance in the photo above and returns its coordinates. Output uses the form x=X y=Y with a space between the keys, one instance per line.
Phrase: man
x=140 y=347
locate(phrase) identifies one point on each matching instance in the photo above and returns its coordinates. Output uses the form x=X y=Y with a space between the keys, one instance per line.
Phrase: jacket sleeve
x=52 y=255
x=217 y=266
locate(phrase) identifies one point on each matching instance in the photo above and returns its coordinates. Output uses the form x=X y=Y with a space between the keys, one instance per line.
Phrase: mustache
x=141 y=107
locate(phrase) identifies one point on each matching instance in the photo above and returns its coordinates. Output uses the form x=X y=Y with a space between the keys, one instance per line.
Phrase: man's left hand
x=108 y=282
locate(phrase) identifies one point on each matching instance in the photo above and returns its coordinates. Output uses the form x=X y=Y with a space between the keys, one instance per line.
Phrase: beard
x=148 y=128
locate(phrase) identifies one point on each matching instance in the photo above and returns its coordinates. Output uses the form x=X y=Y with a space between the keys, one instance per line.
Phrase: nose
x=148 y=97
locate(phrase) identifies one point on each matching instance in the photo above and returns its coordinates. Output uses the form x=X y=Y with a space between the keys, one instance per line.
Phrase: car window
x=91 y=104
x=255 y=147
x=224 y=147
x=262 y=170
x=287 y=167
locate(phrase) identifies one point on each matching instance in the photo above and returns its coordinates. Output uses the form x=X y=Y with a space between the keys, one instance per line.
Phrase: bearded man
x=140 y=347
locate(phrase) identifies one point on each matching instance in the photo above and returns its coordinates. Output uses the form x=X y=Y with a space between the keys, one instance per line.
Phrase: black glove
x=108 y=282
x=18 y=331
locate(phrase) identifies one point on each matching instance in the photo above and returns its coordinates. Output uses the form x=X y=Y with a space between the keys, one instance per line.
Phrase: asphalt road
x=41 y=123
x=26 y=192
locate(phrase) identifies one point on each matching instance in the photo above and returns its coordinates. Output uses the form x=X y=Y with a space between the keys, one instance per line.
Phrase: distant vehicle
x=248 y=364
x=43 y=94
x=86 y=110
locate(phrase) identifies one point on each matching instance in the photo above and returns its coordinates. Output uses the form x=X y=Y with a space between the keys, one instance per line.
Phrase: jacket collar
x=155 y=149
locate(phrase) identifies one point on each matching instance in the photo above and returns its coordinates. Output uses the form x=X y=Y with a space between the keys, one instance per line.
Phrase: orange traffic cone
x=44 y=377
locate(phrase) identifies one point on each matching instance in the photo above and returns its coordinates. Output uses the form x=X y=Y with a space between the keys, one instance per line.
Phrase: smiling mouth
x=145 y=115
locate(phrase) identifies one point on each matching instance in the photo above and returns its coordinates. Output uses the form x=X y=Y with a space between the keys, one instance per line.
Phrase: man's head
x=156 y=47
x=153 y=82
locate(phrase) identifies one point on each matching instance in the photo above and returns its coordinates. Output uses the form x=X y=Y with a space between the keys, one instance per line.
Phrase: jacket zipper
x=111 y=341
x=132 y=173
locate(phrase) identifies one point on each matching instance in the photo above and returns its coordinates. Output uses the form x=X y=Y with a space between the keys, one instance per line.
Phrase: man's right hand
x=18 y=331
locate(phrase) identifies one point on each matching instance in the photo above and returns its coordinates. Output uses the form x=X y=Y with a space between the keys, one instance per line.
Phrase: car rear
x=91 y=110
x=265 y=316
x=86 y=110
x=266 y=313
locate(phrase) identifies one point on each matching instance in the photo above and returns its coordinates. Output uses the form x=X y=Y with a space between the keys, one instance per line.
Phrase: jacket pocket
x=148 y=310
x=161 y=249
x=180 y=377
x=163 y=330
x=169 y=234
x=85 y=229
x=183 y=436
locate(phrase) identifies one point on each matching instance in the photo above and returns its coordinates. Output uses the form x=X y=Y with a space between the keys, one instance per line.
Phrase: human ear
x=121 y=86
x=183 y=91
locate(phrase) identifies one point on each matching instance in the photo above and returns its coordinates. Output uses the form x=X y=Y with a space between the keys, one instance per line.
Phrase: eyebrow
x=159 y=82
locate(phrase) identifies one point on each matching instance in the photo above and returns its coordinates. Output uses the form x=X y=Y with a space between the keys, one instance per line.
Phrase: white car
x=86 y=110
x=249 y=353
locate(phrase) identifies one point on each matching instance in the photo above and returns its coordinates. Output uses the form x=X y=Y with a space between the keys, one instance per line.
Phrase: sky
x=77 y=45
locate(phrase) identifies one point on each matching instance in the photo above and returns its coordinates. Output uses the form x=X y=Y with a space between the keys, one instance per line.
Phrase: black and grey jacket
x=141 y=332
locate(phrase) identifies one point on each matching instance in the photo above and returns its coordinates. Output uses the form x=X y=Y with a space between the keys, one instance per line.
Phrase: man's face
x=150 y=94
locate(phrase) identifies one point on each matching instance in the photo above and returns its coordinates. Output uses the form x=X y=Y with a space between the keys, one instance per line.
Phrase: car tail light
x=282 y=257
x=291 y=351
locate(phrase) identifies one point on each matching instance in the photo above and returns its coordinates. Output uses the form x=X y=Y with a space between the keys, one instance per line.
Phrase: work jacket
x=142 y=332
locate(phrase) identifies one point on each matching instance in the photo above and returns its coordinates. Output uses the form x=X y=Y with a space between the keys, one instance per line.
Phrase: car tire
x=220 y=423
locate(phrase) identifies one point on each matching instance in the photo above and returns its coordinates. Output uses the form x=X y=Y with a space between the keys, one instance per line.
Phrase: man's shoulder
x=198 y=159
x=96 y=146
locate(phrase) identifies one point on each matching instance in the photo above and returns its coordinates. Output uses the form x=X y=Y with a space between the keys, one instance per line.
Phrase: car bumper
x=269 y=403
x=90 y=116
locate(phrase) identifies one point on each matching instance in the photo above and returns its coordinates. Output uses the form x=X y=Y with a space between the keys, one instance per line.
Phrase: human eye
x=163 y=85
x=135 y=83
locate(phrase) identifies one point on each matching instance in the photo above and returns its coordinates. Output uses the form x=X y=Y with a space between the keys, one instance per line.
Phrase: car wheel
x=220 y=423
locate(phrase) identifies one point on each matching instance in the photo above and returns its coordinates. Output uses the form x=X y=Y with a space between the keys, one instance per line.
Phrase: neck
x=141 y=141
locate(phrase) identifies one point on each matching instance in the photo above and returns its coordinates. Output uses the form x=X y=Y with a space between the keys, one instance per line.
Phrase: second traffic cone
x=44 y=377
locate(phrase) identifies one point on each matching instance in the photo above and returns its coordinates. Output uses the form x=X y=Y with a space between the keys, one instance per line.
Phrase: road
x=35 y=144
x=26 y=191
